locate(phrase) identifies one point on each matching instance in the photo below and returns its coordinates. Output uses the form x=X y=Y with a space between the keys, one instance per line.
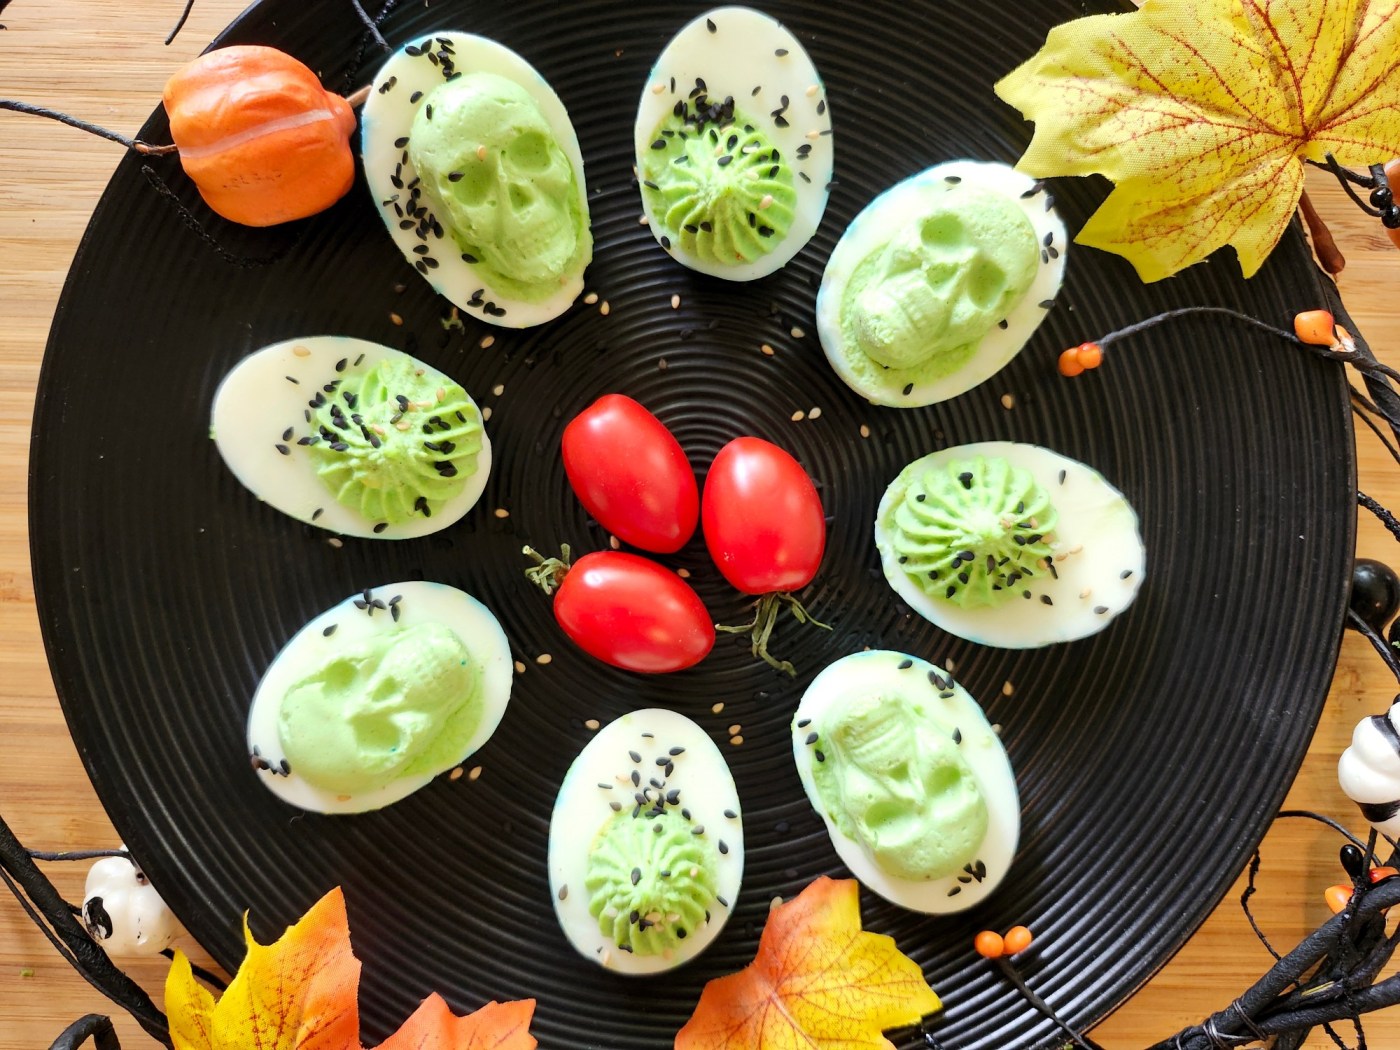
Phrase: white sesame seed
x=799 y=416
x=498 y=389
x=301 y=351
x=604 y=308
x=798 y=333
x=811 y=90
x=643 y=220
x=766 y=202
x=456 y=774
x=661 y=364
x=950 y=666
x=736 y=740
x=544 y=658
x=775 y=903
x=335 y=542
x=592 y=723
x=614 y=543
x=403 y=424
x=864 y=431
x=501 y=512
x=486 y=413
x=481 y=152
x=814 y=134
x=1086 y=592
x=475 y=773
x=1007 y=689
x=735 y=729
x=395 y=319
x=1008 y=402
x=675 y=302
x=815 y=413
x=717 y=708
x=519 y=666
x=487 y=342
x=683 y=573
x=766 y=350
x=657 y=88
x=590 y=298
x=441 y=395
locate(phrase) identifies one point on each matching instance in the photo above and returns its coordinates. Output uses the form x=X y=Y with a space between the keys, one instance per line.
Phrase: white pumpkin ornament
x=123 y=912
x=1369 y=770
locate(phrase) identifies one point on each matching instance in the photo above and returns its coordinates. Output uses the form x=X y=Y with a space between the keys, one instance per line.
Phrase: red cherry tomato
x=762 y=517
x=631 y=474
x=632 y=613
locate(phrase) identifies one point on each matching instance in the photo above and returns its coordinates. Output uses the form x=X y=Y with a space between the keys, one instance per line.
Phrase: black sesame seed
x=723 y=847
x=329 y=630
x=293 y=379
x=1045 y=599
x=1099 y=610
x=804 y=723
x=908 y=389
x=400 y=143
x=819 y=756
x=957 y=735
x=283 y=449
x=710 y=24
x=636 y=876
x=904 y=665
x=1125 y=574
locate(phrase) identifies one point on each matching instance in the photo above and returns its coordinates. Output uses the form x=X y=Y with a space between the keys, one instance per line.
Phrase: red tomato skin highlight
x=633 y=613
x=763 y=521
x=631 y=474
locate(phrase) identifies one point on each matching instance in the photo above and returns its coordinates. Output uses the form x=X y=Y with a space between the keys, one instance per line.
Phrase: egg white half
x=269 y=391
x=600 y=777
x=419 y=603
x=886 y=216
x=1099 y=557
x=757 y=60
x=949 y=705
x=385 y=121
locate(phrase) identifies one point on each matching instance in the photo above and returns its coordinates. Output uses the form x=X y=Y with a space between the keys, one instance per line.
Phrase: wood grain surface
x=104 y=60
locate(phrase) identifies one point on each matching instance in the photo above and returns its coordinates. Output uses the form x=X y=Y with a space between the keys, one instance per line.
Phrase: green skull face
x=490 y=162
x=945 y=279
x=902 y=788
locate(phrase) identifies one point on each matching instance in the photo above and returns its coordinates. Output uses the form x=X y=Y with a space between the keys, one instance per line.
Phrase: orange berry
x=1315 y=327
x=1069 y=362
x=1089 y=355
x=1382 y=873
x=1017 y=940
x=989 y=944
x=1337 y=897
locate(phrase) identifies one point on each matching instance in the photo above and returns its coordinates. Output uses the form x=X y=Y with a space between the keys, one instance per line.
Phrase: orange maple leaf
x=299 y=993
x=1202 y=112
x=496 y=1026
x=302 y=993
x=818 y=981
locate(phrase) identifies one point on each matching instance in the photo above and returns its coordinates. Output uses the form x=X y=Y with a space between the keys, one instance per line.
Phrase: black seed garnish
x=904 y=665
x=722 y=902
x=317 y=513
x=1099 y=610
x=1045 y=304
x=1044 y=255
x=659 y=144
x=666 y=243
x=1125 y=574
x=329 y=630
x=634 y=756
x=908 y=389
x=723 y=847
x=428 y=111
x=936 y=680
x=636 y=876
x=385 y=87
x=1045 y=600
x=819 y=756
x=725 y=160
x=400 y=143
x=283 y=449
x=293 y=379
x=804 y=723
x=957 y=735
x=710 y=24
x=966 y=478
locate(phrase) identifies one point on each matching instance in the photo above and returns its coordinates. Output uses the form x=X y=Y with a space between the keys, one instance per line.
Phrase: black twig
x=1385 y=517
x=147 y=148
x=1358 y=624
x=93 y=1026
x=184 y=17
x=193 y=223
x=80 y=854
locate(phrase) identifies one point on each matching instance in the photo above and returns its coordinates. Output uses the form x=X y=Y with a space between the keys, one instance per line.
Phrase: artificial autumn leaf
x=496 y=1026
x=298 y=993
x=1202 y=113
x=818 y=983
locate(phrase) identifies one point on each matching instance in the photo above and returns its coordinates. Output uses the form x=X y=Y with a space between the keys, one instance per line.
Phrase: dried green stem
x=760 y=628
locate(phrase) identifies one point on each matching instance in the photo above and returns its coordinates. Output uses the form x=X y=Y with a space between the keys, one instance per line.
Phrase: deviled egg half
x=476 y=171
x=646 y=844
x=353 y=437
x=733 y=144
x=939 y=282
x=1009 y=544
x=377 y=696
x=916 y=790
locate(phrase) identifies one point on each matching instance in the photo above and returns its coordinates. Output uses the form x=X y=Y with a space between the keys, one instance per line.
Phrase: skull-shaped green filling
x=923 y=301
x=396 y=440
x=651 y=880
x=717 y=188
x=397 y=705
x=491 y=168
x=892 y=778
x=970 y=532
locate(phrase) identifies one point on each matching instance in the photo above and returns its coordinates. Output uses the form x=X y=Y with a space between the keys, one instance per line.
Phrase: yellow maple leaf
x=298 y=993
x=819 y=982
x=1202 y=113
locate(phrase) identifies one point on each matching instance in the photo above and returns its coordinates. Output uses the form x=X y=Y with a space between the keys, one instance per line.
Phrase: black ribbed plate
x=1150 y=757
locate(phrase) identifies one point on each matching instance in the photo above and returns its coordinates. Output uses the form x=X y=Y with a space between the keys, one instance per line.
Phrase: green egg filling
x=395 y=441
x=893 y=779
x=968 y=532
x=716 y=186
x=916 y=307
x=488 y=162
x=398 y=705
x=651 y=881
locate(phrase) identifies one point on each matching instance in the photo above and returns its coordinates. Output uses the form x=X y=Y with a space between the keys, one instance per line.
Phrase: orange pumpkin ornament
x=261 y=138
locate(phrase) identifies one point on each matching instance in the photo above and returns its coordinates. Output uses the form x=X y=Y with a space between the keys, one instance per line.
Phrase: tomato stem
x=548 y=573
x=760 y=628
